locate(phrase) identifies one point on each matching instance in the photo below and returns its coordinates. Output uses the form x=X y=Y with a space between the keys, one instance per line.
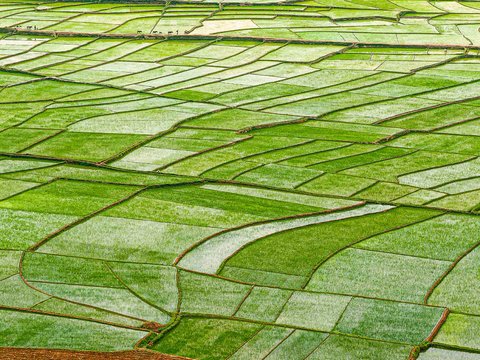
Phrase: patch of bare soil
x=47 y=354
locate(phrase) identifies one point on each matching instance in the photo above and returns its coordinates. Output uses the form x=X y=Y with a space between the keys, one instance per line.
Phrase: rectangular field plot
x=88 y=146
x=298 y=345
x=457 y=288
x=437 y=354
x=443 y=238
x=207 y=295
x=336 y=346
x=313 y=311
x=9 y=187
x=49 y=331
x=207 y=338
x=15 y=140
x=398 y=322
x=263 y=304
x=152 y=241
x=56 y=197
x=365 y=273
x=22 y=229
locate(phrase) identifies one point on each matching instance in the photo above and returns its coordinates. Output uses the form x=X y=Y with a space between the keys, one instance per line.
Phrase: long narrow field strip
x=216 y=250
x=266 y=180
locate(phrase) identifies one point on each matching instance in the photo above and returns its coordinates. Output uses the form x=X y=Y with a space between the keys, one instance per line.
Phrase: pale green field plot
x=207 y=295
x=264 y=304
x=365 y=273
x=442 y=354
x=49 y=332
x=313 y=311
x=398 y=322
x=344 y=347
x=16 y=293
x=10 y=187
x=133 y=240
x=457 y=288
x=120 y=301
x=69 y=309
x=22 y=229
x=461 y=331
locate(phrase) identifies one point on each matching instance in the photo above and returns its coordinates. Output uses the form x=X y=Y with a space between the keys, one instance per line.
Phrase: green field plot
x=336 y=346
x=92 y=146
x=225 y=180
x=405 y=323
x=365 y=273
x=22 y=229
x=444 y=238
x=55 y=198
x=212 y=338
x=460 y=330
x=48 y=332
x=458 y=285
x=435 y=353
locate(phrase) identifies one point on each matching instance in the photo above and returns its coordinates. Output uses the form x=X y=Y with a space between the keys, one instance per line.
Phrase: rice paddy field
x=243 y=181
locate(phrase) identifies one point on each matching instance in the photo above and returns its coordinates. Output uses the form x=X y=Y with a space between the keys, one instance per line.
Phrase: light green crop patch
x=390 y=321
x=46 y=331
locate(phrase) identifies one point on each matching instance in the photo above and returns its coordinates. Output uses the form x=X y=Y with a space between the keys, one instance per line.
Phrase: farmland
x=270 y=180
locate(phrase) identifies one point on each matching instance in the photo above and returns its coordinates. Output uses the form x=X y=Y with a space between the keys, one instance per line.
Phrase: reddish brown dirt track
x=45 y=354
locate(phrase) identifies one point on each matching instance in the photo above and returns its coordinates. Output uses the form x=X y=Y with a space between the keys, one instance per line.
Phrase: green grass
x=297 y=199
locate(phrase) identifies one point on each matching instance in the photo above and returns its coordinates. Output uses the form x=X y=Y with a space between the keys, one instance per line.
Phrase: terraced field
x=265 y=180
